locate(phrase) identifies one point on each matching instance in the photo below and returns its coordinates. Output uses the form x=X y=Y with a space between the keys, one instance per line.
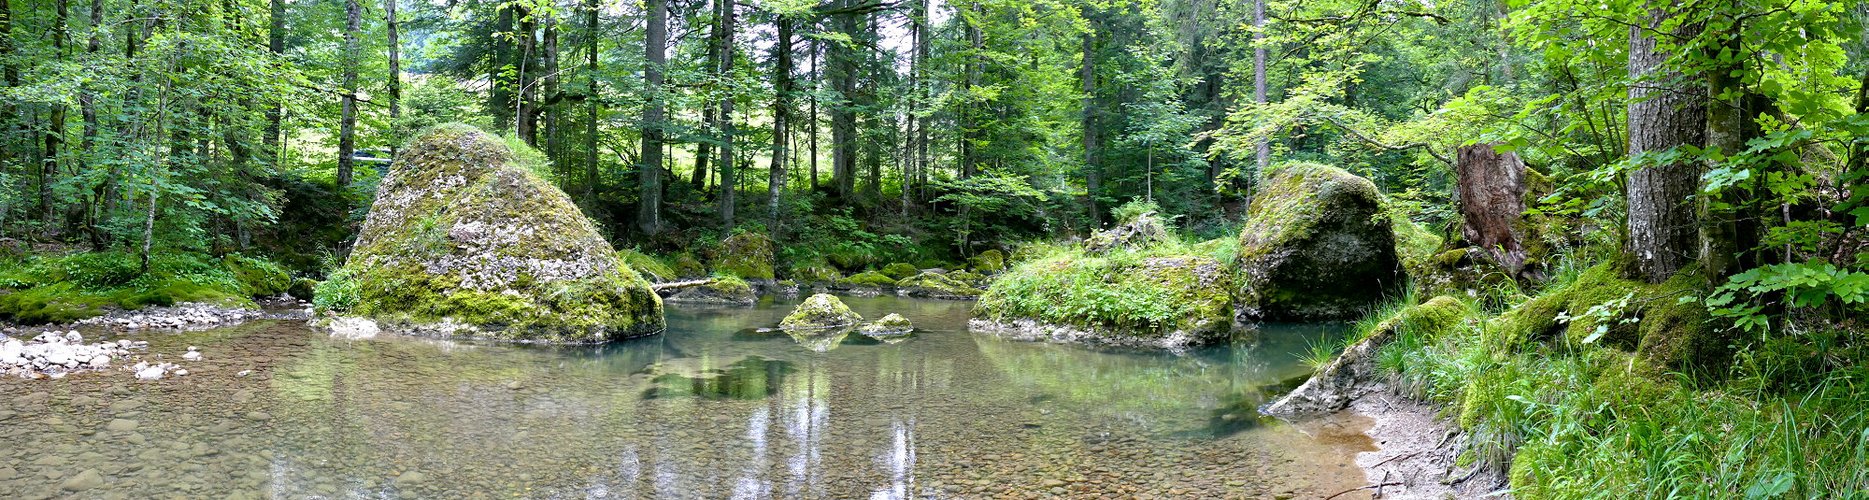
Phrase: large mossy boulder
x=933 y=285
x=821 y=311
x=747 y=255
x=1126 y=299
x=464 y=241
x=1314 y=247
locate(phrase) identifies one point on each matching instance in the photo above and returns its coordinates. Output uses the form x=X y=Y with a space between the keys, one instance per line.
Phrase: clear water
x=712 y=409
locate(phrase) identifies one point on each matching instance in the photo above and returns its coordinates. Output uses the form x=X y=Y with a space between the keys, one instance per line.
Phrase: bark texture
x=1664 y=112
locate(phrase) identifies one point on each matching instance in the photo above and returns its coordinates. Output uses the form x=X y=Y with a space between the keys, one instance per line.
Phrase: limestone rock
x=1314 y=247
x=462 y=235
x=892 y=325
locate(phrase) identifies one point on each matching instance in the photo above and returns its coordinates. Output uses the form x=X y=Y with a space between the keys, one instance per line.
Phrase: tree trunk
x=816 y=78
x=969 y=125
x=1087 y=74
x=347 y=120
x=1729 y=126
x=395 y=69
x=923 y=49
x=275 y=43
x=872 y=149
x=549 y=96
x=729 y=183
x=88 y=145
x=781 y=116
x=1262 y=148
x=499 y=81
x=843 y=115
x=1663 y=114
x=55 y=134
x=649 y=185
x=591 y=11
x=525 y=116
x=1490 y=188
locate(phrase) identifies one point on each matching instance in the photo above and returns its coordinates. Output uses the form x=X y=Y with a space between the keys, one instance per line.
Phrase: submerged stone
x=821 y=311
x=1315 y=247
x=893 y=325
x=464 y=237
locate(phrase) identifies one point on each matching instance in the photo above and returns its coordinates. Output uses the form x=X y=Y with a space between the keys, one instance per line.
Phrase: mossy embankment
x=464 y=239
x=1599 y=385
x=39 y=289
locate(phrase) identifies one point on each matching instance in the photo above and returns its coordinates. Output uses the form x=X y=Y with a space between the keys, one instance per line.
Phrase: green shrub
x=258 y=277
x=339 y=292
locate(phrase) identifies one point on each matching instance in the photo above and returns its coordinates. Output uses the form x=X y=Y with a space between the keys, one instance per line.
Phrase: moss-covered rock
x=867 y=279
x=900 y=270
x=647 y=265
x=1349 y=375
x=935 y=285
x=724 y=289
x=1313 y=246
x=258 y=277
x=747 y=255
x=686 y=266
x=892 y=325
x=461 y=237
x=988 y=262
x=1165 y=301
x=819 y=312
x=1650 y=319
x=1144 y=230
x=814 y=272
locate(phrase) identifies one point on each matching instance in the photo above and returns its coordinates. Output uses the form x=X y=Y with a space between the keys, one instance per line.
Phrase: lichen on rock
x=1314 y=246
x=459 y=235
x=892 y=325
x=819 y=312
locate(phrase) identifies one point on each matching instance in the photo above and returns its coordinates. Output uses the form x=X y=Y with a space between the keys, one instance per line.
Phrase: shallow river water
x=714 y=408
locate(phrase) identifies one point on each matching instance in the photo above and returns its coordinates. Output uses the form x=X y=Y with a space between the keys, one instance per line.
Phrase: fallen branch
x=1353 y=490
x=1394 y=458
x=679 y=284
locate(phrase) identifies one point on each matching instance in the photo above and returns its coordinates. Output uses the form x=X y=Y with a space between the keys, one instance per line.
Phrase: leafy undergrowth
x=65 y=288
x=1783 y=417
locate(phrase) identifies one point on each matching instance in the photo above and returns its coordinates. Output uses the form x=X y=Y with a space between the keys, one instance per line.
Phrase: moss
x=1532 y=470
x=814 y=272
x=55 y=303
x=1130 y=295
x=686 y=266
x=820 y=311
x=900 y=270
x=971 y=279
x=650 y=266
x=988 y=262
x=937 y=285
x=1429 y=319
x=1679 y=334
x=1414 y=244
x=1314 y=246
x=258 y=277
x=867 y=278
x=724 y=289
x=890 y=325
x=459 y=233
x=747 y=255
x=303 y=288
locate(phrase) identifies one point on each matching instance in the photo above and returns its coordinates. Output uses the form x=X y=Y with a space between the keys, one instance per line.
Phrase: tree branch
x=1378 y=144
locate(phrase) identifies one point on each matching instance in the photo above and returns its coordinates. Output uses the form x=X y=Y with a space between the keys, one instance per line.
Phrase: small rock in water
x=99 y=361
x=179 y=373
x=73 y=337
x=514 y=385
x=258 y=416
x=121 y=425
x=192 y=354
x=410 y=478
x=150 y=373
x=88 y=479
x=243 y=373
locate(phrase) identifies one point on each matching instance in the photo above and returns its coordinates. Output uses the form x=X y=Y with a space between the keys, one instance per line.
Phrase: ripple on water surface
x=717 y=407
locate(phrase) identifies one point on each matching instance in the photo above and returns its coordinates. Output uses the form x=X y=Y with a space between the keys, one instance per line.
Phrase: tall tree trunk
x=55 y=133
x=1729 y=125
x=969 y=124
x=16 y=122
x=347 y=120
x=500 y=70
x=816 y=85
x=275 y=43
x=649 y=183
x=525 y=116
x=872 y=149
x=592 y=37
x=729 y=183
x=1664 y=113
x=548 y=94
x=395 y=69
x=781 y=118
x=1087 y=74
x=843 y=115
x=923 y=46
x=87 y=103
x=1262 y=149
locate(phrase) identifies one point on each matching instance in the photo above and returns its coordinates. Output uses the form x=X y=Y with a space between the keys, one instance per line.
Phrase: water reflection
x=713 y=409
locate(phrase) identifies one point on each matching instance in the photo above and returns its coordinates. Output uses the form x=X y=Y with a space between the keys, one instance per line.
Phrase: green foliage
x=868 y=278
x=1149 y=292
x=1745 y=297
x=338 y=292
x=60 y=289
x=900 y=270
x=649 y=266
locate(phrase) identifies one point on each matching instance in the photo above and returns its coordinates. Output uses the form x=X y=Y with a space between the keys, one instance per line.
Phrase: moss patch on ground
x=747 y=255
x=66 y=288
x=1148 y=294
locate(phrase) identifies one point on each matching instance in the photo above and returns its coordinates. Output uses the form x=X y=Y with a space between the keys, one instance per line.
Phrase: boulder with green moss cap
x=988 y=262
x=1314 y=247
x=462 y=240
x=893 y=325
x=747 y=255
x=820 y=311
x=725 y=290
x=1164 y=301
